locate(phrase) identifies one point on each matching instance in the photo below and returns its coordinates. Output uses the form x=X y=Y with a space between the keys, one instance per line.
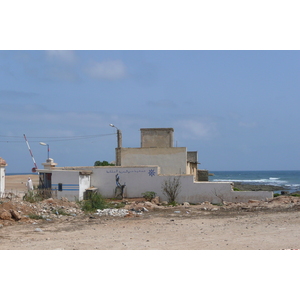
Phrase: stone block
x=6 y=215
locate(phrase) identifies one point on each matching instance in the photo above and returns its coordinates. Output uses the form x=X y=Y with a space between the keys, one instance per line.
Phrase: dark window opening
x=60 y=187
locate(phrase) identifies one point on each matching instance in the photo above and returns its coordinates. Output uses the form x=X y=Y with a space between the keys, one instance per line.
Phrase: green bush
x=149 y=195
x=104 y=163
x=33 y=196
x=295 y=195
x=35 y=216
x=96 y=201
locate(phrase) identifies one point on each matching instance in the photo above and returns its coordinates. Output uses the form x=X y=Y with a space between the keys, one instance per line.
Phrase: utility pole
x=119 y=145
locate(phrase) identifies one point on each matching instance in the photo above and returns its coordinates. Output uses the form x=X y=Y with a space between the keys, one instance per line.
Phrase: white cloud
x=114 y=69
x=248 y=124
x=66 y=56
x=194 y=129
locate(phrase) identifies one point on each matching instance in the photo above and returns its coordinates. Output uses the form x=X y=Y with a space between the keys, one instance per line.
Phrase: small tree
x=171 y=189
x=102 y=163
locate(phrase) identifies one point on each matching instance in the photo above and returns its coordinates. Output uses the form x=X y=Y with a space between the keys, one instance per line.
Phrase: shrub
x=149 y=195
x=96 y=201
x=33 y=196
x=35 y=216
x=295 y=195
x=171 y=189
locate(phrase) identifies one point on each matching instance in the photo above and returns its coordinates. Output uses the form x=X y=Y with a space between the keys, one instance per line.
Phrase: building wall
x=140 y=179
x=84 y=183
x=157 y=137
x=70 y=184
x=171 y=160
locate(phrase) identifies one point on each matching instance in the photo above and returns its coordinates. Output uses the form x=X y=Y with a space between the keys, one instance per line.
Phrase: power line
x=57 y=138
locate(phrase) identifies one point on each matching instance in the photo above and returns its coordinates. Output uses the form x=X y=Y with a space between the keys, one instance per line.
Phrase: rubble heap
x=23 y=211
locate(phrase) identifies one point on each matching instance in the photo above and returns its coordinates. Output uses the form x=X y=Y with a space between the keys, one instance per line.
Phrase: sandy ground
x=172 y=231
x=18 y=182
x=174 y=228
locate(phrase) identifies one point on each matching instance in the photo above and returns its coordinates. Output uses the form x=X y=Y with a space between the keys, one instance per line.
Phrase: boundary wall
x=140 y=179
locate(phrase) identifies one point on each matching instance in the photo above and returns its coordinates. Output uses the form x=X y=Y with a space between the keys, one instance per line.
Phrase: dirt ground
x=250 y=226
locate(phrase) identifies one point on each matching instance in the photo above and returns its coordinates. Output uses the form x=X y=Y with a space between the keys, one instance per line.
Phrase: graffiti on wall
x=151 y=172
x=119 y=190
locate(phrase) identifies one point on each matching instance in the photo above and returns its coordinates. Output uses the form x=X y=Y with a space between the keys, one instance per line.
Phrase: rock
x=6 y=215
x=186 y=204
x=38 y=230
x=15 y=215
x=155 y=200
x=150 y=205
x=254 y=201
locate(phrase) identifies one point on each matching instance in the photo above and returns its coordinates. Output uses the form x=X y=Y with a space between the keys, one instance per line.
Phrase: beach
x=252 y=226
x=18 y=182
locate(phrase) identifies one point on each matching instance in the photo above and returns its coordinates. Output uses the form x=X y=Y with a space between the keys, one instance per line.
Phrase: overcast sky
x=238 y=109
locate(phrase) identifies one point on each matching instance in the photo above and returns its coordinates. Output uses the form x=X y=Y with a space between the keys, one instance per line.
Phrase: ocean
x=289 y=179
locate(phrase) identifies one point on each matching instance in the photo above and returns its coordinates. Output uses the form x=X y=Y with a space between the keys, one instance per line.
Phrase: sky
x=238 y=109
x=225 y=77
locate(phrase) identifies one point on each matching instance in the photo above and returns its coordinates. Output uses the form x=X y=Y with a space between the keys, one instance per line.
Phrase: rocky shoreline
x=258 y=187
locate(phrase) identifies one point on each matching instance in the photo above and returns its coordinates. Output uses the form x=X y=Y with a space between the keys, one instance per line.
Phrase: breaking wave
x=267 y=181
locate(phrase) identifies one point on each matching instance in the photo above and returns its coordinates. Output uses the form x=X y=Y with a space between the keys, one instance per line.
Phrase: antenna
x=35 y=165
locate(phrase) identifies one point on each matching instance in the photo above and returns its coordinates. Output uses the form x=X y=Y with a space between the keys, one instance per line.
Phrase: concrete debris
x=112 y=212
x=15 y=215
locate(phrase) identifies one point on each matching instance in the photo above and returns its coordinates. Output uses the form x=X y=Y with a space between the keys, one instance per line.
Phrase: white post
x=3 y=164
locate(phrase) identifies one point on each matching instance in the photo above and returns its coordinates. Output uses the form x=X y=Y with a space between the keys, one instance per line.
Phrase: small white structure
x=3 y=164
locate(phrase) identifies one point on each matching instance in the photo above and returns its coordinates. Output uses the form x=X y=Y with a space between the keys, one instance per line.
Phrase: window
x=60 y=187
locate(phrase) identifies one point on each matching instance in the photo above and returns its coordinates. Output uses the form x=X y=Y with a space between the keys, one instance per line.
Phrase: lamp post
x=44 y=144
x=119 y=135
x=118 y=149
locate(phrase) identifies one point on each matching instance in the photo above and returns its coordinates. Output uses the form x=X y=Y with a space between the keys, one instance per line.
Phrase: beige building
x=157 y=149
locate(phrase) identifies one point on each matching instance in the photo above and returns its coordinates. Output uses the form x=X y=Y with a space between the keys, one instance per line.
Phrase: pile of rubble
x=12 y=210
x=23 y=211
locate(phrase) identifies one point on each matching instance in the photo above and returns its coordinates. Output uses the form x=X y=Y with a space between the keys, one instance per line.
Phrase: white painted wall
x=140 y=179
x=84 y=183
x=70 y=181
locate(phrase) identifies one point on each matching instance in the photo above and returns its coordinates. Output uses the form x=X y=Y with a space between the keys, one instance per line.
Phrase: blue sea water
x=289 y=179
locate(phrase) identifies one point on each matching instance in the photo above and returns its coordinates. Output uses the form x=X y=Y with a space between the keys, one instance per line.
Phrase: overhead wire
x=53 y=139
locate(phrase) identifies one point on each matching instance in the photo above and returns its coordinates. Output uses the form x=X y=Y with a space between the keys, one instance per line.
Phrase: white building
x=141 y=170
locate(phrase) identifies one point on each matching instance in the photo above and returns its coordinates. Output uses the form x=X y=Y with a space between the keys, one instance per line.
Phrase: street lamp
x=44 y=144
x=119 y=135
x=118 y=149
